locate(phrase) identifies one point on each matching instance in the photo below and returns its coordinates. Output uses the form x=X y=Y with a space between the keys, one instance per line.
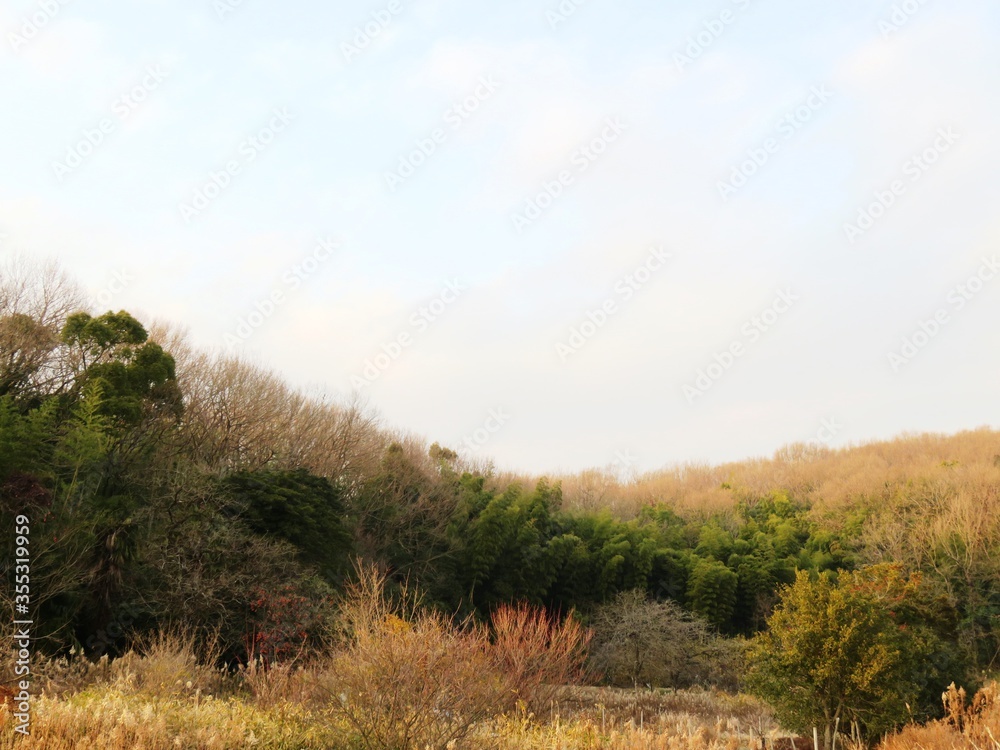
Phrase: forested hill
x=167 y=484
x=825 y=477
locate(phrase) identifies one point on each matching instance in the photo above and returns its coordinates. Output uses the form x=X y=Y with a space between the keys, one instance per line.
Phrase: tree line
x=166 y=484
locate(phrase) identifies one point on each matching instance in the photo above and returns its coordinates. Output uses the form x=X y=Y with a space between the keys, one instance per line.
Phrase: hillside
x=156 y=491
x=828 y=479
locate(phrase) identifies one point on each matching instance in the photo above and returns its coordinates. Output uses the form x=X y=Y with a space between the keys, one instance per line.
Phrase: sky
x=556 y=234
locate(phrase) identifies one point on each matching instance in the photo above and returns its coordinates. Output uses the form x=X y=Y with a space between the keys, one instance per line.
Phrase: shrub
x=288 y=622
x=537 y=653
x=407 y=677
x=838 y=651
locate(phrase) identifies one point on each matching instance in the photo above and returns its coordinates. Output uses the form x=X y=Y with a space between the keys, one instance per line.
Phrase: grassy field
x=166 y=701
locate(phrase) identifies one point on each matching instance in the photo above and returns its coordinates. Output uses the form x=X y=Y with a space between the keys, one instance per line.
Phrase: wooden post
x=815 y=738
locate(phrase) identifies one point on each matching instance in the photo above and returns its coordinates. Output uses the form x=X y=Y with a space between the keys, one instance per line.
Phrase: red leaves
x=283 y=621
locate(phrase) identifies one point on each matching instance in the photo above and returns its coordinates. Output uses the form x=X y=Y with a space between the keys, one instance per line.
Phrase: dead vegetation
x=827 y=478
x=967 y=725
x=399 y=676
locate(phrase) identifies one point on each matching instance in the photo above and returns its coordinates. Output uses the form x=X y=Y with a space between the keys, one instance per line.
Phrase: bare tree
x=35 y=300
x=234 y=412
x=657 y=643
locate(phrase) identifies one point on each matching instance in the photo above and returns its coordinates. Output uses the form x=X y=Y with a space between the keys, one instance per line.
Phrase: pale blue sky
x=686 y=126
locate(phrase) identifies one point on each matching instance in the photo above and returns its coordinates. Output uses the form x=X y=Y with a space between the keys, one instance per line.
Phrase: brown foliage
x=966 y=726
x=537 y=653
x=828 y=478
x=240 y=416
x=409 y=677
x=34 y=302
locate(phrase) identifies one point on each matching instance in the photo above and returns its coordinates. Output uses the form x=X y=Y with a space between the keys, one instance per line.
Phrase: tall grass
x=400 y=677
x=968 y=725
x=167 y=693
x=116 y=715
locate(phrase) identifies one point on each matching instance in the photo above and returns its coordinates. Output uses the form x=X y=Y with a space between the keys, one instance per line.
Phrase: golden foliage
x=827 y=478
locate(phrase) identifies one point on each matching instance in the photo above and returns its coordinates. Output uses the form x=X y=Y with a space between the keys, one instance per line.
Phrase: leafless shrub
x=407 y=677
x=539 y=654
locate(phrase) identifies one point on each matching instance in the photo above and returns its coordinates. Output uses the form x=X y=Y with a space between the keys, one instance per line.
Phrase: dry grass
x=418 y=682
x=163 y=695
x=283 y=683
x=968 y=725
x=111 y=719
x=628 y=720
x=169 y=664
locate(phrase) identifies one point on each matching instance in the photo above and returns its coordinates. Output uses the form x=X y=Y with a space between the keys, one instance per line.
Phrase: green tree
x=837 y=651
x=135 y=374
x=504 y=555
x=303 y=509
x=51 y=470
x=712 y=590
